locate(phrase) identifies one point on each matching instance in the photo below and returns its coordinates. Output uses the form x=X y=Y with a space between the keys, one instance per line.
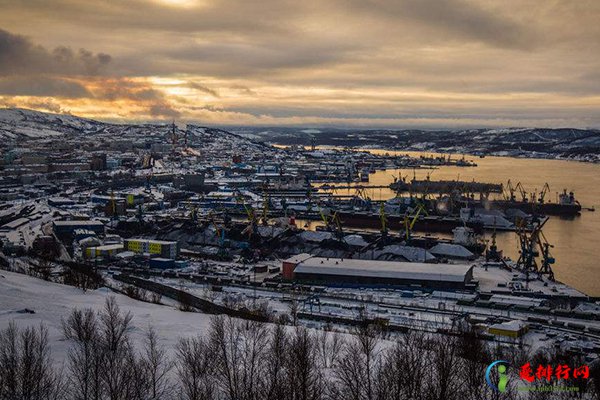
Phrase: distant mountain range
x=18 y=125
x=565 y=143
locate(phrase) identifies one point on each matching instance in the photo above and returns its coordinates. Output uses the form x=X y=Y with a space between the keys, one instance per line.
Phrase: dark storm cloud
x=19 y=56
x=42 y=86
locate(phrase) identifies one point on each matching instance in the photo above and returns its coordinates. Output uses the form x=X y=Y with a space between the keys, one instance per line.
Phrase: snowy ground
x=52 y=302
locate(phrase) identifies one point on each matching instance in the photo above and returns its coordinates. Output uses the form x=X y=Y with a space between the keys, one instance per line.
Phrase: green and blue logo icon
x=501 y=366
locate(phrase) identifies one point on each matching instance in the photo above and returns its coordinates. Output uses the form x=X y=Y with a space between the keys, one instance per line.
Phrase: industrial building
x=333 y=271
x=163 y=248
x=512 y=329
x=69 y=227
x=106 y=251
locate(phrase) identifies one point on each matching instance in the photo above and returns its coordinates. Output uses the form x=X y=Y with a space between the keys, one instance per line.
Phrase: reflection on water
x=575 y=241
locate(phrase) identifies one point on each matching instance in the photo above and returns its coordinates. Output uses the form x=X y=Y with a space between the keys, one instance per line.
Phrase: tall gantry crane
x=533 y=245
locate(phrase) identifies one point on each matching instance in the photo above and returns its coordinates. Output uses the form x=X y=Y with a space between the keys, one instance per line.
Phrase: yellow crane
x=409 y=224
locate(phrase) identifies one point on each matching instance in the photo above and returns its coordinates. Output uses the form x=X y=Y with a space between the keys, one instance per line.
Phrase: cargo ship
x=424 y=223
x=567 y=205
x=429 y=186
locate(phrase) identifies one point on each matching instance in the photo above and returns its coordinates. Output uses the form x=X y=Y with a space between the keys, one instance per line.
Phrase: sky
x=363 y=63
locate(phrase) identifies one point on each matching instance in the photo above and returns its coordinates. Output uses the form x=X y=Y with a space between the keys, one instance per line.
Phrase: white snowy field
x=52 y=302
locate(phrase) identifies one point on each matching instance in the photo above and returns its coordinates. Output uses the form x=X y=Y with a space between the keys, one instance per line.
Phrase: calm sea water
x=576 y=241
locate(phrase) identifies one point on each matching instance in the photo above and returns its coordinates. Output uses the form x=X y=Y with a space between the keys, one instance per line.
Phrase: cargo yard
x=224 y=224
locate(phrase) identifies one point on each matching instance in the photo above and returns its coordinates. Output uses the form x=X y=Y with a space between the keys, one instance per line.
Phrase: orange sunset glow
x=462 y=63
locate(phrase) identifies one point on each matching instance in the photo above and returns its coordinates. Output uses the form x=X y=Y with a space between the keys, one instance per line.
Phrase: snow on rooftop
x=384 y=269
x=412 y=254
x=514 y=325
x=315 y=236
x=298 y=258
x=450 y=250
x=355 y=240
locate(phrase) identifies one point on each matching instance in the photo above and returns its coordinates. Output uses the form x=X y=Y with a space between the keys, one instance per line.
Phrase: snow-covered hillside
x=52 y=302
x=17 y=123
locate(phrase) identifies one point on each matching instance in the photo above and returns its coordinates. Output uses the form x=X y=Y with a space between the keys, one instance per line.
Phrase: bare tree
x=445 y=363
x=293 y=307
x=116 y=348
x=275 y=387
x=405 y=368
x=330 y=345
x=195 y=369
x=357 y=368
x=26 y=370
x=156 y=367
x=85 y=356
x=475 y=357
x=239 y=351
x=304 y=375
x=9 y=362
x=225 y=344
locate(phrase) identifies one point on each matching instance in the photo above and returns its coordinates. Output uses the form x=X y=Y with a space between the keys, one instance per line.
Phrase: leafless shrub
x=155 y=298
x=135 y=292
x=26 y=370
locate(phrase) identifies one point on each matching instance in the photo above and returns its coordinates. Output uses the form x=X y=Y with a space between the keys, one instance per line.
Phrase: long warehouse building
x=332 y=271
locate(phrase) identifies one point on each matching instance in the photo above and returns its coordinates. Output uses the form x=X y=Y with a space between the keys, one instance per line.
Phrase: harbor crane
x=220 y=234
x=252 y=228
x=384 y=222
x=522 y=191
x=409 y=224
x=533 y=245
x=543 y=193
x=333 y=223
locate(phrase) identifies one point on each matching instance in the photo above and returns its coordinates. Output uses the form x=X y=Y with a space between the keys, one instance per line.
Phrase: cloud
x=19 y=56
x=455 y=19
x=112 y=89
x=42 y=104
x=163 y=110
x=47 y=104
x=202 y=88
x=287 y=61
x=244 y=90
x=42 y=86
